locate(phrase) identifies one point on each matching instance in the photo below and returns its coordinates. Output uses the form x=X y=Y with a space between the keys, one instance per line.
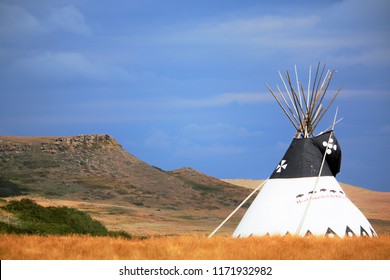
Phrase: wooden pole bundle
x=305 y=109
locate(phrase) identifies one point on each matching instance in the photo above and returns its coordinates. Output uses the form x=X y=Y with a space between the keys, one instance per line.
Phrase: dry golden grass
x=21 y=247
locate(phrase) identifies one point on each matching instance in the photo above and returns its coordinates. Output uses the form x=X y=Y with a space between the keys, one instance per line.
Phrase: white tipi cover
x=295 y=200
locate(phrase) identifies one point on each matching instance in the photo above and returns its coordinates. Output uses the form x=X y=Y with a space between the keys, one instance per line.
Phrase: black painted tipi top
x=304 y=158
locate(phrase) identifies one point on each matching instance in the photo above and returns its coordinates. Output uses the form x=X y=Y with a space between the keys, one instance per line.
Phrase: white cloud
x=362 y=94
x=371 y=15
x=194 y=140
x=16 y=21
x=159 y=139
x=326 y=33
x=371 y=56
x=51 y=67
x=197 y=151
x=259 y=26
x=226 y=99
x=54 y=65
x=243 y=30
x=385 y=129
x=216 y=132
x=69 y=19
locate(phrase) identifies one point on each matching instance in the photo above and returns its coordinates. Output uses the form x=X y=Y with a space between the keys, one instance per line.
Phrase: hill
x=97 y=168
x=93 y=173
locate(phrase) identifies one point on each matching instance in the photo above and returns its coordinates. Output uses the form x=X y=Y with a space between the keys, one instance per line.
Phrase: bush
x=8 y=228
x=8 y=188
x=37 y=219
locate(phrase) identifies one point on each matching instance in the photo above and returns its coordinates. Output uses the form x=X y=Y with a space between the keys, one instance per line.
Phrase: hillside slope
x=95 y=174
x=97 y=168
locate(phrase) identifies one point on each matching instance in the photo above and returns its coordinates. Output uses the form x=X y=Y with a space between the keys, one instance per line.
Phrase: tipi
x=302 y=196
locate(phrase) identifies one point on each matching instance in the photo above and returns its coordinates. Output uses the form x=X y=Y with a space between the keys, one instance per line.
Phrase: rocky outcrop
x=85 y=140
x=54 y=145
x=7 y=147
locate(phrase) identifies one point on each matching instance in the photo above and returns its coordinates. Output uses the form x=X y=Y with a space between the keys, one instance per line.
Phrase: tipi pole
x=281 y=106
x=330 y=127
x=316 y=122
x=238 y=207
x=318 y=178
x=296 y=101
x=288 y=106
x=288 y=93
x=299 y=92
x=313 y=88
x=308 y=89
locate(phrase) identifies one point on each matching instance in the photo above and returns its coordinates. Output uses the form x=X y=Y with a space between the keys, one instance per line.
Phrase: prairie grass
x=75 y=247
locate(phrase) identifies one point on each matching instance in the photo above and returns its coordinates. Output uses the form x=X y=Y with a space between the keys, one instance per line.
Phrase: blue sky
x=182 y=83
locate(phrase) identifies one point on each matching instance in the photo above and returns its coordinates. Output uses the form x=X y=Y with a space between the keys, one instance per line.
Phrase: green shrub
x=206 y=189
x=120 y=233
x=8 y=188
x=37 y=219
x=8 y=228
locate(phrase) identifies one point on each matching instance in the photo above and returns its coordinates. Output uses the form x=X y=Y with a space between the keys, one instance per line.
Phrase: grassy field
x=33 y=247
